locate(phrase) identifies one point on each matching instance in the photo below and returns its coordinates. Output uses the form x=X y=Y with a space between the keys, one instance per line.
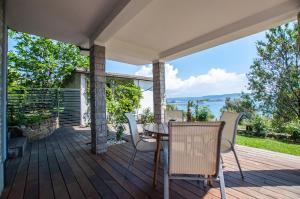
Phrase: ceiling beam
x=119 y=50
x=121 y=15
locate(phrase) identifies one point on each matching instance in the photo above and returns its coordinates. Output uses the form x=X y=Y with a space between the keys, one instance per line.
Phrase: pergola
x=137 y=32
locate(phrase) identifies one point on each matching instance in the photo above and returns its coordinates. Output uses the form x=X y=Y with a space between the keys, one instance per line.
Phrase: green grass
x=269 y=144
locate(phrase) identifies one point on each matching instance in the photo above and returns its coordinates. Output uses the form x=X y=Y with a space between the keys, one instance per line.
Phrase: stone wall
x=41 y=130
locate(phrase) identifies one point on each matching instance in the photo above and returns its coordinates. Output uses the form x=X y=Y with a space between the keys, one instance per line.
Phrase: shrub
x=147 y=116
x=259 y=124
x=293 y=128
x=120 y=128
x=171 y=107
x=203 y=113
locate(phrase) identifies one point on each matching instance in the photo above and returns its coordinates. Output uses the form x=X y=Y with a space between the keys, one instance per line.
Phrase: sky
x=218 y=70
x=215 y=71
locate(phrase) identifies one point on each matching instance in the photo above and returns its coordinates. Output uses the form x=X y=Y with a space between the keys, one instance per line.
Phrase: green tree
x=189 y=115
x=37 y=62
x=274 y=77
x=244 y=104
x=122 y=96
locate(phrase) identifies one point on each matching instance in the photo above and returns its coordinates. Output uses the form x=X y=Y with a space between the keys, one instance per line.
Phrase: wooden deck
x=61 y=166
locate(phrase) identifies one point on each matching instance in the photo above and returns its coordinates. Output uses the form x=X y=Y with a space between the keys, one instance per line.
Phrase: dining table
x=160 y=132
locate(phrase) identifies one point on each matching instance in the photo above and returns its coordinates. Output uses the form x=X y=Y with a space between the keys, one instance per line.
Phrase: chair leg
x=166 y=175
x=222 y=161
x=238 y=163
x=209 y=182
x=222 y=183
x=130 y=162
x=205 y=182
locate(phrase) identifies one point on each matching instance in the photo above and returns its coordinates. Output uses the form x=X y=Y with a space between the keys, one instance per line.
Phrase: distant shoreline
x=213 y=102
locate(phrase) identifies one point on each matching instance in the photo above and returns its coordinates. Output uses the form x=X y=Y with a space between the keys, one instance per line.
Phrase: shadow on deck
x=61 y=166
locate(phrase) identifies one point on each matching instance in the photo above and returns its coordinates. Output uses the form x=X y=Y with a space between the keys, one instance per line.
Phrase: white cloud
x=216 y=81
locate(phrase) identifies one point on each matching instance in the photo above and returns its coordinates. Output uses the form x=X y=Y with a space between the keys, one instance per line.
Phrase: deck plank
x=45 y=183
x=32 y=181
x=18 y=187
x=86 y=186
x=59 y=187
x=116 y=189
x=71 y=183
x=62 y=166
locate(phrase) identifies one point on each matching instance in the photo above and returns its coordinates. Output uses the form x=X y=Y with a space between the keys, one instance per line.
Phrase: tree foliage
x=37 y=62
x=274 y=77
x=189 y=115
x=147 y=116
x=244 y=104
x=121 y=97
x=203 y=113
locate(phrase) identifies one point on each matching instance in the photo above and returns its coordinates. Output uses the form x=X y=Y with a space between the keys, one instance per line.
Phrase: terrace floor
x=61 y=166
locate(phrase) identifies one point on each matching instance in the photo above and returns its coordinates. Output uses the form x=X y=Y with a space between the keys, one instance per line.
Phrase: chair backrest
x=135 y=137
x=174 y=115
x=194 y=147
x=229 y=131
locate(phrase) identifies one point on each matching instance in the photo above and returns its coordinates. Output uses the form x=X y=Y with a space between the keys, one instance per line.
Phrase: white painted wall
x=83 y=101
x=147 y=95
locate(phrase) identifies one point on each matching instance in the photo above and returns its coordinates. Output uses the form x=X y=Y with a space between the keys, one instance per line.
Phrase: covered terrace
x=136 y=32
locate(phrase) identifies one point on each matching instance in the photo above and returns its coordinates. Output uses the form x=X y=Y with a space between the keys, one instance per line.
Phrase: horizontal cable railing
x=32 y=106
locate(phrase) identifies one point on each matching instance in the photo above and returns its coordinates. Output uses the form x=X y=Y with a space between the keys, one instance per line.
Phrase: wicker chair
x=193 y=153
x=139 y=143
x=229 y=133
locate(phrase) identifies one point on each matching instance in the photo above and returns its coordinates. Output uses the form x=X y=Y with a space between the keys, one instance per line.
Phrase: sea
x=213 y=102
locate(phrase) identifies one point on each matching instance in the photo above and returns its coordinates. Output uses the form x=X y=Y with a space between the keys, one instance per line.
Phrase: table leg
x=156 y=158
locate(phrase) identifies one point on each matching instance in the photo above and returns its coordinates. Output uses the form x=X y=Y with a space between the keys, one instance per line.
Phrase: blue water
x=213 y=102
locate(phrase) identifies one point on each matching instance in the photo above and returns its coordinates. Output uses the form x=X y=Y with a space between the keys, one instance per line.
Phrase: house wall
x=147 y=93
x=73 y=81
x=77 y=81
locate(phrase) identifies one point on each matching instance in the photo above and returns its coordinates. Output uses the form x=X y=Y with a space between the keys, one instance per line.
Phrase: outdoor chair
x=229 y=134
x=174 y=116
x=139 y=142
x=193 y=153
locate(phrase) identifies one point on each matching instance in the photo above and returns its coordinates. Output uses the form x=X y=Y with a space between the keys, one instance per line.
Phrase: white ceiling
x=141 y=31
x=71 y=21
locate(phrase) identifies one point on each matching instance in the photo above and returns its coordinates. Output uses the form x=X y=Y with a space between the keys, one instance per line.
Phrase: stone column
x=98 y=110
x=159 y=101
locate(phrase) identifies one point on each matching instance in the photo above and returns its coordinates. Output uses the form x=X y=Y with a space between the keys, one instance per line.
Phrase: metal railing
x=31 y=106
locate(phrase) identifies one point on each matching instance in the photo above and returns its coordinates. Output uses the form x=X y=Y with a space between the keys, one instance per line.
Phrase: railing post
x=57 y=107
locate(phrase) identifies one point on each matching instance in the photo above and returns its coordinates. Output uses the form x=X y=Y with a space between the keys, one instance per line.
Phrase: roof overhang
x=142 y=31
x=118 y=75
